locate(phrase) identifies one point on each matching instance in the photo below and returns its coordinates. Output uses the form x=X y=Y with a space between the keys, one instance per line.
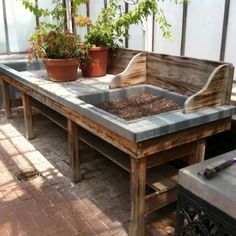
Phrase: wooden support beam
x=199 y=153
x=137 y=196
x=28 y=118
x=74 y=146
x=6 y=99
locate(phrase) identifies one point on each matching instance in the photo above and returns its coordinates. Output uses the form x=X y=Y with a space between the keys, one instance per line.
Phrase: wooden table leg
x=199 y=152
x=28 y=117
x=73 y=140
x=137 y=196
x=6 y=99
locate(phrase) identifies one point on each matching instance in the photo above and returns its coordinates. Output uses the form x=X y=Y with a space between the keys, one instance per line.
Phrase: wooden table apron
x=188 y=143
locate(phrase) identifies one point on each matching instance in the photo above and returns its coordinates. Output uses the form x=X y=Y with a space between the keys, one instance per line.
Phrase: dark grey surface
x=219 y=191
x=67 y=93
x=24 y=65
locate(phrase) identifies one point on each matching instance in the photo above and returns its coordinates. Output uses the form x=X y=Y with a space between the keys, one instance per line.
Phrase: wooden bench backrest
x=179 y=74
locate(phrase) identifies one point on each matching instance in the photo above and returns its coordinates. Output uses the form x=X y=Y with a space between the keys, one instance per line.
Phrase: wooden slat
x=186 y=136
x=119 y=59
x=122 y=159
x=179 y=74
x=106 y=149
x=6 y=98
x=170 y=154
x=159 y=183
x=135 y=73
x=50 y=114
x=162 y=178
x=156 y=201
x=28 y=118
x=215 y=92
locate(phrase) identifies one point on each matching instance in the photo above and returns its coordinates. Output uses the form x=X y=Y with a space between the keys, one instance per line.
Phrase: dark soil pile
x=137 y=106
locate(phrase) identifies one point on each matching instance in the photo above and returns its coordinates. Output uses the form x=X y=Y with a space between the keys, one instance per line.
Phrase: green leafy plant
x=54 y=40
x=58 y=13
x=111 y=27
x=54 y=45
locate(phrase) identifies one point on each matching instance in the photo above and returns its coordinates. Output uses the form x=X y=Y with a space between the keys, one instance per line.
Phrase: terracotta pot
x=62 y=69
x=97 y=64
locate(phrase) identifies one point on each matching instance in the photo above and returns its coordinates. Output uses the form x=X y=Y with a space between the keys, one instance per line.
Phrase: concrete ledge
x=219 y=191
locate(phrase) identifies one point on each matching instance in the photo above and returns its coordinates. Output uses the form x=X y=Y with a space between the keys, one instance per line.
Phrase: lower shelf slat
x=114 y=154
x=50 y=114
x=162 y=178
x=157 y=200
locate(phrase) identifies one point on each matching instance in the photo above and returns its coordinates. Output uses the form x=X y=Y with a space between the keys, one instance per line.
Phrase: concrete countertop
x=141 y=129
x=220 y=191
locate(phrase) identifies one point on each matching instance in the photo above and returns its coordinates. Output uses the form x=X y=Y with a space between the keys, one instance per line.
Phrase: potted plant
x=56 y=44
x=60 y=52
x=110 y=30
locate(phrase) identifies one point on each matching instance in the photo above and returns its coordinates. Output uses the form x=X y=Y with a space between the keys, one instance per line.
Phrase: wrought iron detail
x=196 y=217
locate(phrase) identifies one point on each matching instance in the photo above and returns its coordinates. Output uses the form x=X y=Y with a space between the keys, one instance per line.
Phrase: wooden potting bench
x=206 y=84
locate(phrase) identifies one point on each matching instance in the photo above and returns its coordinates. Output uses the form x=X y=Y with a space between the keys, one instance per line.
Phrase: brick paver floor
x=51 y=204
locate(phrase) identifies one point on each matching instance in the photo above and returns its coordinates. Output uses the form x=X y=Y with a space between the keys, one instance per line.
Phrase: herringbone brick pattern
x=51 y=204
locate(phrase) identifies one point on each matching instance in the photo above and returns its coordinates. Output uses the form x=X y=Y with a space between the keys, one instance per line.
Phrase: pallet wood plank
x=179 y=74
x=135 y=73
x=170 y=154
x=215 y=92
x=186 y=136
x=156 y=201
x=199 y=153
x=119 y=59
